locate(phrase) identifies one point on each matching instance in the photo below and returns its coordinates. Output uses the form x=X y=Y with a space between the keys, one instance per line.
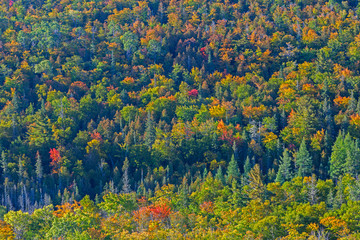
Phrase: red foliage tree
x=193 y=93
x=55 y=160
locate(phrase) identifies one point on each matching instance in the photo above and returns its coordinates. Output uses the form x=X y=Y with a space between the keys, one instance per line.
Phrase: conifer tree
x=247 y=166
x=338 y=157
x=233 y=171
x=38 y=168
x=4 y=164
x=330 y=199
x=184 y=193
x=205 y=173
x=125 y=179
x=358 y=106
x=303 y=160
x=20 y=170
x=284 y=172
x=149 y=131
x=219 y=175
x=352 y=104
x=352 y=156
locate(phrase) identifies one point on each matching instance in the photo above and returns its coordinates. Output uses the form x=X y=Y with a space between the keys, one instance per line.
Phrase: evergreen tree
x=38 y=168
x=20 y=170
x=330 y=199
x=247 y=166
x=184 y=193
x=358 y=106
x=125 y=179
x=4 y=164
x=338 y=157
x=303 y=160
x=233 y=171
x=284 y=172
x=352 y=104
x=339 y=196
x=355 y=191
x=205 y=173
x=219 y=175
x=150 y=130
x=352 y=156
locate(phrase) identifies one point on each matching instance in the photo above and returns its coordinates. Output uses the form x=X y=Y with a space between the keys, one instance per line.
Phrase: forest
x=179 y=119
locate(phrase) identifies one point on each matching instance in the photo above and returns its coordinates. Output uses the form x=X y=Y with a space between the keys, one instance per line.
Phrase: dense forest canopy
x=179 y=119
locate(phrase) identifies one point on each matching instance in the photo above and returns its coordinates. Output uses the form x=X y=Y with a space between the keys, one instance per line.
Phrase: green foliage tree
x=303 y=160
x=284 y=173
x=233 y=171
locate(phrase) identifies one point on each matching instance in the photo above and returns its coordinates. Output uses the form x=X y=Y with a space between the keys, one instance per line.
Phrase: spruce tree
x=352 y=104
x=38 y=168
x=20 y=170
x=284 y=172
x=358 y=106
x=219 y=175
x=205 y=173
x=149 y=131
x=4 y=164
x=233 y=170
x=338 y=157
x=352 y=156
x=247 y=166
x=125 y=179
x=303 y=161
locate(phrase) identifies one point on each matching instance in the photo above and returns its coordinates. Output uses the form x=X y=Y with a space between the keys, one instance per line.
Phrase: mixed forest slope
x=181 y=119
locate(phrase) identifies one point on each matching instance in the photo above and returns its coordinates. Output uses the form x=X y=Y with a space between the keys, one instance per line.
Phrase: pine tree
x=205 y=173
x=184 y=193
x=4 y=164
x=339 y=196
x=150 y=130
x=38 y=168
x=303 y=160
x=338 y=157
x=352 y=104
x=358 y=106
x=125 y=179
x=20 y=170
x=247 y=166
x=352 y=155
x=233 y=171
x=330 y=199
x=283 y=119
x=284 y=172
x=219 y=175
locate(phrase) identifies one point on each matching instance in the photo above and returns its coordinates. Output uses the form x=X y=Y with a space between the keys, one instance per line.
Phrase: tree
x=4 y=164
x=38 y=167
x=150 y=131
x=256 y=184
x=219 y=175
x=303 y=160
x=284 y=172
x=130 y=42
x=233 y=171
x=125 y=180
x=338 y=157
x=247 y=166
x=352 y=160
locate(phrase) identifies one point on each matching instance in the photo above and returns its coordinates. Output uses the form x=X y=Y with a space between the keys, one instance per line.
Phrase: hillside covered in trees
x=179 y=119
